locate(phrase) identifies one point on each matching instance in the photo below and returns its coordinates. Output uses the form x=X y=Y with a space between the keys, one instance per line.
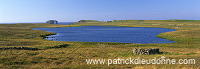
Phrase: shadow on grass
x=167 y=53
x=34 y=49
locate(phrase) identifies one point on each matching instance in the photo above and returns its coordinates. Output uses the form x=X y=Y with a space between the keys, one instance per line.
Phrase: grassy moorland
x=74 y=55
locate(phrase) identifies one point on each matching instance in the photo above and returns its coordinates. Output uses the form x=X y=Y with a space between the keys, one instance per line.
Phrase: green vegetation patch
x=56 y=54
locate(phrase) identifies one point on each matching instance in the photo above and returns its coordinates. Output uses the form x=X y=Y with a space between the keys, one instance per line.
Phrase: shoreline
x=46 y=36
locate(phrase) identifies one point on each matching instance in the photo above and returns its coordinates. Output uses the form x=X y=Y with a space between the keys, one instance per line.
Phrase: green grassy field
x=74 y=55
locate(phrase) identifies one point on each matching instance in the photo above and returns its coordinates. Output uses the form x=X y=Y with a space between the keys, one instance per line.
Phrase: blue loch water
x=142 y=35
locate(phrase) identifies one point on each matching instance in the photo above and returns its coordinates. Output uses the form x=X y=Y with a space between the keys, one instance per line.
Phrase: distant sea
x=65 y=23
x=61 y=23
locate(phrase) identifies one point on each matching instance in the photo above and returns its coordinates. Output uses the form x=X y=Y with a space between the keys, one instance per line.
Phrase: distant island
x=52 y=22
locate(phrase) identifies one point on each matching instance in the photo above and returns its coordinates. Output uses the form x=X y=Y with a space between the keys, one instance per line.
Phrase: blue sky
x=74 y=10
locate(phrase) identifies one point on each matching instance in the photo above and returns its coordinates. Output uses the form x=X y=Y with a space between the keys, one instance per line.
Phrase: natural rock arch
x=52 y=22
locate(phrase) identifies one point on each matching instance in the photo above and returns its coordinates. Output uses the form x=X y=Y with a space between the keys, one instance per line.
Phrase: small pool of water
x=143 y=35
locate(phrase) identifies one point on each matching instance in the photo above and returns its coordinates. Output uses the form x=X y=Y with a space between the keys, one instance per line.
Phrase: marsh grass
x=56 y=54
